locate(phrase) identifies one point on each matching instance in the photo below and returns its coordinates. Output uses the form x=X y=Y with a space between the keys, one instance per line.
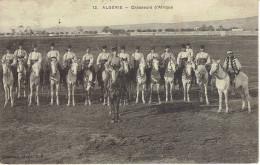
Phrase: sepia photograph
x=129 y=82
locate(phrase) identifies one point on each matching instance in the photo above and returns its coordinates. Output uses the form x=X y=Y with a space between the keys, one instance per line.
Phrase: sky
x=72 y=13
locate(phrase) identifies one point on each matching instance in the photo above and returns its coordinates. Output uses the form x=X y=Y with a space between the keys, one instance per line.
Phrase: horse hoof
x=219 y=111
x=249 y=111
x=144 y=102
x=89 y=103
x=136 y=102
x=207 y=103
x=160 y=102
x=171 y=100
x=112 y=121
x=73 y=105
x=68 y=105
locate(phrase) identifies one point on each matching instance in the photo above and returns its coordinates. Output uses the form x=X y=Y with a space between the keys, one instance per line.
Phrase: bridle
x=215 y=72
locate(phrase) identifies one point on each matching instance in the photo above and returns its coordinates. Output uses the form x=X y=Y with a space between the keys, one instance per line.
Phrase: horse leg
x=220 y=100
x=6 y=94
x=11 y=96
x=31 y=91
x=37 y=95
x=188 y=92
x=184 y=92
x=151 y=93
x=51 y=84
x=248 y=99
x=226 y=99
x=200 y=92
x=19 y=86
x=143 y=94
x=57 y=94
x=73 y=96
x=137 y=93
x=166 y=90
x=171 y=89
x=206 y=94
x=158 y=93
x=69 y=85
x=88 y=94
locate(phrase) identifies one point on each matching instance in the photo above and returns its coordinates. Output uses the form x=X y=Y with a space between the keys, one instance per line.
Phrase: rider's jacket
x=34 y=57
x=10 y=58
x=202 y=58
x=182 y=58
x=190 y=51
x=88 y=59
x=103 y=58
x=69 y=56
x=53 y=54
x=138 y=56
x=114 y=61
x=232 y=64
x=20 y=54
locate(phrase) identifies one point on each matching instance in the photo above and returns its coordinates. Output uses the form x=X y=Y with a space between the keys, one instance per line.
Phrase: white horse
x=88 y=85
x=223 y=84
x=35 y=81
x=155 y=80
x=141 y=81
x=21 y=76
x=202 y=80
x=186 y=79
x=54 y=80
x=8 y=81
x=71 y=81
x=169 y=78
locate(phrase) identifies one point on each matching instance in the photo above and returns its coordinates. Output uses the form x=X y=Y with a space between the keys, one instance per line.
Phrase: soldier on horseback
x=20 y=55
x=10 y=59
x=149 y=59
x=203 y=58
x=189 y=50
x=166 y=56
x=87 y=63
x=101 y=60
x=137 y=57
x=68 y=58
x=182 y=59
x=233 y=67
x=51 y=56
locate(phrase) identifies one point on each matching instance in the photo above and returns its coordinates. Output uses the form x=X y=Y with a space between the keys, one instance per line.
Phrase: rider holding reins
x=87 y=62
x=233 y=67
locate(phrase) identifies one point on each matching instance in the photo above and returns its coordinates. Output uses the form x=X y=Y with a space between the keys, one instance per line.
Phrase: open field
x=174 y=132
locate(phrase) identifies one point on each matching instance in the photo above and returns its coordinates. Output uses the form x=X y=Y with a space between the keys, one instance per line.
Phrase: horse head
x=142 y=69
x=6 y=68
x=21 y=65
x=156 y=64
x=36 y=69
x=54 y=67
x=200 y=72
x=114 y=76
x=74 y=68
x=126 y=66
x=172 y=67
x=214 y=67
x=189 y=67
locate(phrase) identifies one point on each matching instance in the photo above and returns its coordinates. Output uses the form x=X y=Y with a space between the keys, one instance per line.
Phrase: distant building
x=237 y=30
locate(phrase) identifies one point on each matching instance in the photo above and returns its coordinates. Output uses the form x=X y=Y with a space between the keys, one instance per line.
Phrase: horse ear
x=213 y=60
x=218 y=61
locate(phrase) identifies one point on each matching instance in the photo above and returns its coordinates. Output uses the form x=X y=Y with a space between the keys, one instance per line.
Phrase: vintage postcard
x=128 y=81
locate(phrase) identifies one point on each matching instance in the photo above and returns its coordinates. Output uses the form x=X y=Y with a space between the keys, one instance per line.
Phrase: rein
x=215 y=73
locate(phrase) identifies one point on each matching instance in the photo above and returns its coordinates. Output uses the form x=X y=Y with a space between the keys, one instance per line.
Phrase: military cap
x=202 y=47
x=137 y=47
x=122 y=47
x=114 y=49
x=188 y=44
x=183 y=46
x=69 y=46
x=166 y=46
x=104 y=47
x=153 y=48
x=53 y=44
x=8 y=47
x=230 y=52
